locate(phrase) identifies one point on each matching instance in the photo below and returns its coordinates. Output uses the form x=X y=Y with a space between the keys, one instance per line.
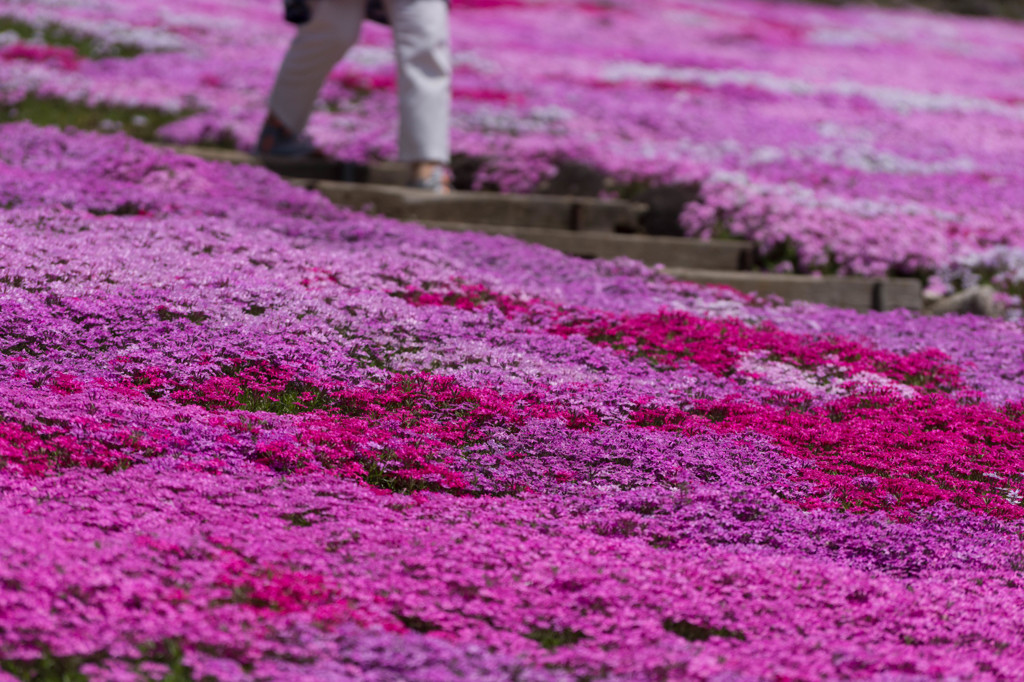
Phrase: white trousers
x=424 y=70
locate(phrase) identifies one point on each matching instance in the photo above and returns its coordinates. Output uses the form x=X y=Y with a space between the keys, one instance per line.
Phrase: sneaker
x=276 y=141
x=437 y=180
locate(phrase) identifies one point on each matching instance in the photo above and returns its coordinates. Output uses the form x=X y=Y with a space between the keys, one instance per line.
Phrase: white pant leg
x=423 y=52
x=316 y=48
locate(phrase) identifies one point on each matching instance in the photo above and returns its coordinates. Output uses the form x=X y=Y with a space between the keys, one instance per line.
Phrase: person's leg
x=424 y=82
x=317 y=47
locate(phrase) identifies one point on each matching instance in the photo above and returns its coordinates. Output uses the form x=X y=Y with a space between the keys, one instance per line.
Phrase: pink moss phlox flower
x=248 y=435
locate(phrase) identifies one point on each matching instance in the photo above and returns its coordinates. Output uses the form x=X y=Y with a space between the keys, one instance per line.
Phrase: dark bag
x=375 y=12
x=299 y=11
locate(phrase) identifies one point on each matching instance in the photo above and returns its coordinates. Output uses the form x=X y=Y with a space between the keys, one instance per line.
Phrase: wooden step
x=582 y=226
x=670 y=251
x=859 y=293
x=485 y=208
x=380 y=185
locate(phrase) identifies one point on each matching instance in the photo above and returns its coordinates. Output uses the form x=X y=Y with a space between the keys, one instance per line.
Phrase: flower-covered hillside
x=850 y=139
x=246 y=435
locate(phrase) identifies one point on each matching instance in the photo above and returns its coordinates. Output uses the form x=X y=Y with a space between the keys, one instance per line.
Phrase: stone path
x=579 y=225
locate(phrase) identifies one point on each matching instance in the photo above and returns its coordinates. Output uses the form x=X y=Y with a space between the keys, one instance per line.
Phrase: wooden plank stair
x=578 y=225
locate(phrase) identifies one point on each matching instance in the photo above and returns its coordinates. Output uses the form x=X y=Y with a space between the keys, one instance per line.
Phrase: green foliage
x=140 y=122
x=552 y=638
x=49 y=668
x=165 y=315
x=297 y=397
x=699 y=633
x=417 y=624
x=305 y=519
x=60 y=36
x=379 y=477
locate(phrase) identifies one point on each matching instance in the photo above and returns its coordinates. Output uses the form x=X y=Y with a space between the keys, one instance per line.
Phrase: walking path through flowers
x=848 y=139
